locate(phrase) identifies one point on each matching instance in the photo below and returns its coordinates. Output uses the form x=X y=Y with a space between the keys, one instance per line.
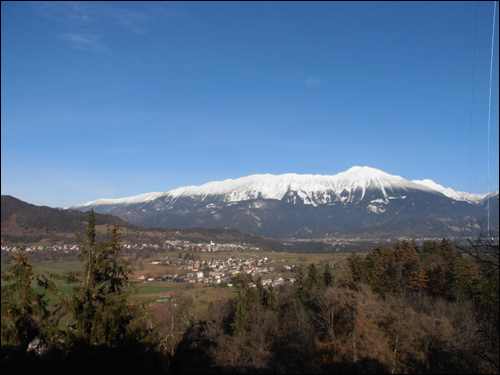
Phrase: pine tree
x=299 y=287
x=431 y=247
x=358 y=268
x=313 y=276
x=381 y=262
x=270 y=301
x=99 y=304
x=261 y=291
x=327 y=276
x=446 y=245
x=24 y=311
x=456 y=273
x=241 y=321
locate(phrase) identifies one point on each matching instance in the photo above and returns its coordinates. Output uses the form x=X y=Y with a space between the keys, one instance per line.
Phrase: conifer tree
x=418 y=277
x=405 y=259
x=261 y=291
x=24 y=311
x=358 y=268
x=299 y=287
x=270 y=301
x=313 y=276
x=455 y=272
x=327 y=276
x=446 y=245
x=241 y=321
x=99 y=304
x=381 y=262
x=430 y=247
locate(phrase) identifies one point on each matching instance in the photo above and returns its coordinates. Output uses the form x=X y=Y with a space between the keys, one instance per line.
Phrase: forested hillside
x=408 y=309
x=25 y=223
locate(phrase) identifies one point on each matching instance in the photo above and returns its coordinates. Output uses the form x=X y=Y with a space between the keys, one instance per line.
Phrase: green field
x=200 y=294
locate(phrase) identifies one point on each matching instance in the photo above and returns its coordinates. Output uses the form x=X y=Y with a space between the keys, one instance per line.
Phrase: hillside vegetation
x=27 y=224
x=404 y=309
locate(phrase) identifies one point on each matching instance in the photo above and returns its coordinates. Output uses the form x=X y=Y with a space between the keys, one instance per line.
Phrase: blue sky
x=115 y=99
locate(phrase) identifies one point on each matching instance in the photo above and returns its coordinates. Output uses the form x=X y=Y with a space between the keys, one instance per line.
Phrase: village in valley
x=192 y=263
x=182 y=261
x=216 y=271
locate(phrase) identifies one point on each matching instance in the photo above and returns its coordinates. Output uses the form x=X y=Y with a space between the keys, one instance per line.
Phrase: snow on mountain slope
x=142 y=198
x=312 y=189
x=350 y=186
x=449 y=192
x=359 y=200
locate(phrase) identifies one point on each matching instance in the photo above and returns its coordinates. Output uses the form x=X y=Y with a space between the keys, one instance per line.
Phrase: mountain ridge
x=361 y=200
x=257 y=186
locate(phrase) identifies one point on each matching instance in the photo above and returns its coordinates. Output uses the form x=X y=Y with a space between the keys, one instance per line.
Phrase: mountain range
x=359 y=201
x=27 y=224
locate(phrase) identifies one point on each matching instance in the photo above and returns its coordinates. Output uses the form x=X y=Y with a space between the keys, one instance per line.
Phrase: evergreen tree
x=241 y=321
x=24 y=311
x=430 y=247
x=384 y=275
x=358 y=268
x=270 y=302
x=261 y=291
x=455 y=273
x=313 y=276
x=446 y=245
x=327 y=276
x=414 y=245
x=299 y=287
x=99 y=304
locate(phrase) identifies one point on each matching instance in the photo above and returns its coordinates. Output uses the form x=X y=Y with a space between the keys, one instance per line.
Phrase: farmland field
x=200 y=294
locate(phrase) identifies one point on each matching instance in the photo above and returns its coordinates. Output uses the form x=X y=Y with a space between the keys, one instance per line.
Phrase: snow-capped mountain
x=449 y=192
x=361 y=199
x=348 y=187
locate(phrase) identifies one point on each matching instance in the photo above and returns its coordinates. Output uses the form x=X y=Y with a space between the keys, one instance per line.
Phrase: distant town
x=166 y=245
x=215 y=271
x=341 y=244
x=188 y=270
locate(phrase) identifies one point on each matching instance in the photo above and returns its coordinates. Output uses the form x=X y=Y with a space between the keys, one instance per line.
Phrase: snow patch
x=259 y=204
x=375 y=209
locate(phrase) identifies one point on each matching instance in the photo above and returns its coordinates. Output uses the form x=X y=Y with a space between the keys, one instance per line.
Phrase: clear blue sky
x=115 y=99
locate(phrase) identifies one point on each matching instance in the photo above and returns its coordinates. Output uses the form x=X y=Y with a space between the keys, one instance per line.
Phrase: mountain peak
x=361 y=199
x=364 y=169
x=350 y=186
x=366 y=173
